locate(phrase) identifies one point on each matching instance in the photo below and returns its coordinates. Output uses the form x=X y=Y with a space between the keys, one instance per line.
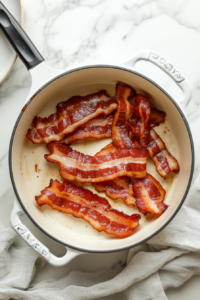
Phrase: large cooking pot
x=51 y=86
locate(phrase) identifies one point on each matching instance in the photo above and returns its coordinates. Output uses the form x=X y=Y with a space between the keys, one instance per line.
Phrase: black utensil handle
x=18 y=39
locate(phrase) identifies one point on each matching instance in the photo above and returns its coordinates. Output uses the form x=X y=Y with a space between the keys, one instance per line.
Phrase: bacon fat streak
x=163 y=160
x=97 y=128
x=85 y=168
x=82 y=203
x=70 y=115
x=149 y=195
x=120 y=134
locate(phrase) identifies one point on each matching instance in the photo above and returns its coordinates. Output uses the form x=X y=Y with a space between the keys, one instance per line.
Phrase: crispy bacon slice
x=70 y=115
x=163 y=160
x=84 y=168
x=120 y=134
x=135 y=144
x=149 y=195
x=118 y=188
x=141 y=130
x=97 y=128
x=136 y=131
x=82 y=203
x=107 y=150
x=131 y=125
x=142 y=109
x=156 y=117
x=142 y=134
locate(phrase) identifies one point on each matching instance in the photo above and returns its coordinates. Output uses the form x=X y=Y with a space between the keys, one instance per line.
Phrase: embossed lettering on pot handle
x=168 y=68
x=30 y=239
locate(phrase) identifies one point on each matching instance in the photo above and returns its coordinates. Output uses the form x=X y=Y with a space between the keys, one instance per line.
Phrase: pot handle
x=18 y=39
x=29 y=238
x=168 y=68
x=26 y=50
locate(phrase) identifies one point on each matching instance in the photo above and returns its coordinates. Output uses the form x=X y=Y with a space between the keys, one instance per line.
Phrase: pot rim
x=162 y=90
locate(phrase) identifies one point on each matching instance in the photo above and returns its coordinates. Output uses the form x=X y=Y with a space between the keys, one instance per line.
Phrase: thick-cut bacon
x=84 y=168
x=163 y=160
x=69 y=116
x=97 y=128
x=120 y=134
x=156 y=117
x=82 y=203
x=149 y=195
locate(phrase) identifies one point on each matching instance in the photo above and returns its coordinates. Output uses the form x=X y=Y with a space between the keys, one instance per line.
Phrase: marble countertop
x=72 y=32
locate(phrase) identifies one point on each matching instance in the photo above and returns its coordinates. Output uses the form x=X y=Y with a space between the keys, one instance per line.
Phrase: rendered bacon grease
x=118 y=170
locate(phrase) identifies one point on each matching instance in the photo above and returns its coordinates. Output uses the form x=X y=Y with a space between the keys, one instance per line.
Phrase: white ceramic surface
x=8 y=56
x=108 y=31
x=28 y=183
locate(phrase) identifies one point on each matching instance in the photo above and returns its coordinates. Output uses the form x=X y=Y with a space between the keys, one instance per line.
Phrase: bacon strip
x=82 y=203
x=141 y=130
x=70 y=115
x=84 y=168
x=120 y=134
x=156 y=117
x=118 y=188
x=97 y=128
x=135 y=144
x=163 y=160
x=137 y=135
x=149 y=195
x=142 y=109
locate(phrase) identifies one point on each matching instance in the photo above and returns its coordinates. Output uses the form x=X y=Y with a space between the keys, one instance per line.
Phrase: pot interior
x=32 y=173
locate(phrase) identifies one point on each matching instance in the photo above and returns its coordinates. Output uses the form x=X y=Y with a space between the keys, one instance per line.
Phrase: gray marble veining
x=72 y=32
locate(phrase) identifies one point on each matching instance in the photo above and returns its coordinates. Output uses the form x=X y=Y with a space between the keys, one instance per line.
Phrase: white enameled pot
x=51 y=86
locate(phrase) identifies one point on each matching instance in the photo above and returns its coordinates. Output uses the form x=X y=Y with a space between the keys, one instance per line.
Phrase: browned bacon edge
x=70 y=115
x=120 y=134
x=82 y=203
x=156 y=117
x=85 y=168
x=149 y=195
x=163 y=160
x=97 y=128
